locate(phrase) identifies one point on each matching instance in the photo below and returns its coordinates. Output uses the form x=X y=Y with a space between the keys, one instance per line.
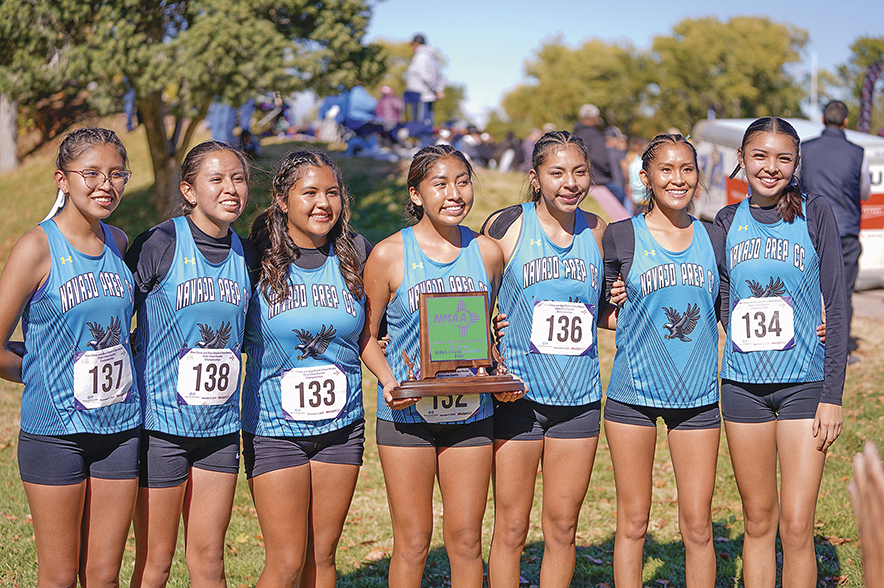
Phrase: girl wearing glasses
x=78 y=446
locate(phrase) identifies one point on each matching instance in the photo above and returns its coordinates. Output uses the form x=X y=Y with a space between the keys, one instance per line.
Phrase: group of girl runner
x=115 y=430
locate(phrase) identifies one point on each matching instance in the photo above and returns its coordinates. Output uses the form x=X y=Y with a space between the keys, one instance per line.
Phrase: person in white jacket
x=423 y=78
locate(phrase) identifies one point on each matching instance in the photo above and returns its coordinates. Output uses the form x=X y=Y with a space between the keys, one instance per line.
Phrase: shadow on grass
x=594 y=565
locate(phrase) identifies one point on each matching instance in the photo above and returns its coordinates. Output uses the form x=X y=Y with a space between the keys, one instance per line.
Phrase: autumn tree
x=737 y=68
x=865 y=51
x=180 y=56
x=613 y=76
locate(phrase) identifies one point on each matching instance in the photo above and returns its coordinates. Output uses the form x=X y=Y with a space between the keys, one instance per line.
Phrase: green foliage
x=36 y=44
x=498 y=125
x=865 y=52
x=179 y=56
x=737 y=68
x=613 y=76
x=195 y=50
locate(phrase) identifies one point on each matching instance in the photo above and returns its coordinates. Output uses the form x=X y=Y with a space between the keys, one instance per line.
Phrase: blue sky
x=487 y=41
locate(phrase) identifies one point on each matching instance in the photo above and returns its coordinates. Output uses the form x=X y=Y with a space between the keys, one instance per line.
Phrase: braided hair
x=549 y=142
x=270 y=234
x=423 y=162
x=650 y=154
x=81 y=140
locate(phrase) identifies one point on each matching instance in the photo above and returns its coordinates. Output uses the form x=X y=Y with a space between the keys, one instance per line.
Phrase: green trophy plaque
x=453 y=334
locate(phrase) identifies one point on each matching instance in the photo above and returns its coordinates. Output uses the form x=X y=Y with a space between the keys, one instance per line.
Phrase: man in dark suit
x=836 y=168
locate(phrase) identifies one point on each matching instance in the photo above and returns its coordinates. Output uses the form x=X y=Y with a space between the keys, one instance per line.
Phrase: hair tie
x=60 y=199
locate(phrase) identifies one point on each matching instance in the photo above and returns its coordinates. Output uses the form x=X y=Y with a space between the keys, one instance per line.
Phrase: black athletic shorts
x=473 y=434
x=62 y=460
x=763 y=403
x=166 y=459
x=266 y=454
x=526 y=420
x=680 y=419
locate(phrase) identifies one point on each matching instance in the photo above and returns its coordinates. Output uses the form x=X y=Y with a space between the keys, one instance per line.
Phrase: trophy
x=453 y=334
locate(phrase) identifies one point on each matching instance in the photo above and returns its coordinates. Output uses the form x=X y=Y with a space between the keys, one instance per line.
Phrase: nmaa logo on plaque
x=453 y=334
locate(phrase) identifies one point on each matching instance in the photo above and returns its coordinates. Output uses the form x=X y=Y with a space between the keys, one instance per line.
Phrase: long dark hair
x=650 y=154
x=791 y=199
x=423 y=162
x=542 y=149
x=270 y=234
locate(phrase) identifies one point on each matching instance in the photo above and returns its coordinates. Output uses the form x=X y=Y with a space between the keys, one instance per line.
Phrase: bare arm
x=26 y=269
x=382 y=276
x=506 y=241
x=120 y=238
x=492 y=255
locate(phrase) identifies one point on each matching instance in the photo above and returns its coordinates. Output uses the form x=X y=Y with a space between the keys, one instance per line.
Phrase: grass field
x=363 y=555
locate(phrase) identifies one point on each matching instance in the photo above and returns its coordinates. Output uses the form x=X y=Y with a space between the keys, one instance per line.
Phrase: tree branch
x=190 y=130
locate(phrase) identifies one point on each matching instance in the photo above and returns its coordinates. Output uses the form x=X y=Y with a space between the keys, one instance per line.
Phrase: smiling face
x=100 y=202
x=313 y=206
x=446 y=192
x=218 y=194
x=562 y=180
x=672 y=177
x=769 y=160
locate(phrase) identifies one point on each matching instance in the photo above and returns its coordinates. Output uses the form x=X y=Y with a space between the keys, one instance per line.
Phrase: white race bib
x=102 y=377
x=445 y=409
x=763 y=324
x=207 y=377
x=313 y=393
x=561 y=328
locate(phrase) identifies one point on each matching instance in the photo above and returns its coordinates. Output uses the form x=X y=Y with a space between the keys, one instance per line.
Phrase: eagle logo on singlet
x=212 y=339
x=103 y=338
x=773 y=288
x=680 y=325
x=314 y=345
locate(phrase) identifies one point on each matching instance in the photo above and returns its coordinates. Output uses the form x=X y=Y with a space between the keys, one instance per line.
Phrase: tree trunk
x=191 y=129
x=162 y=155
x=8 y=134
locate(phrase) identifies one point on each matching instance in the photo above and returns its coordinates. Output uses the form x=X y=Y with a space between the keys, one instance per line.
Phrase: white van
x=717 y=141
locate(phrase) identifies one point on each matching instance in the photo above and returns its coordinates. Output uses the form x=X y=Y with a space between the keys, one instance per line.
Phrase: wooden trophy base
x=449 y=386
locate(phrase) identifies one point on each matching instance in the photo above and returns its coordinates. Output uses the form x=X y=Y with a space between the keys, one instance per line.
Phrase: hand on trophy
x=501 y=370
x=500 y=323
x=511 y=396
x=396 y=403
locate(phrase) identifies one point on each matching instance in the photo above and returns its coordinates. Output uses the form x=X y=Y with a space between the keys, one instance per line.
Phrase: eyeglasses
x=95 y=179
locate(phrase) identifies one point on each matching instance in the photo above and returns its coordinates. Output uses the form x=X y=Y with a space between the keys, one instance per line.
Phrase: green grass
x=365 y=548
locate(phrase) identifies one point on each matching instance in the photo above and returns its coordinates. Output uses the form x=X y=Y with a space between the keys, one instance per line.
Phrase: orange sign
x=736 y=190
x=873 y=212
